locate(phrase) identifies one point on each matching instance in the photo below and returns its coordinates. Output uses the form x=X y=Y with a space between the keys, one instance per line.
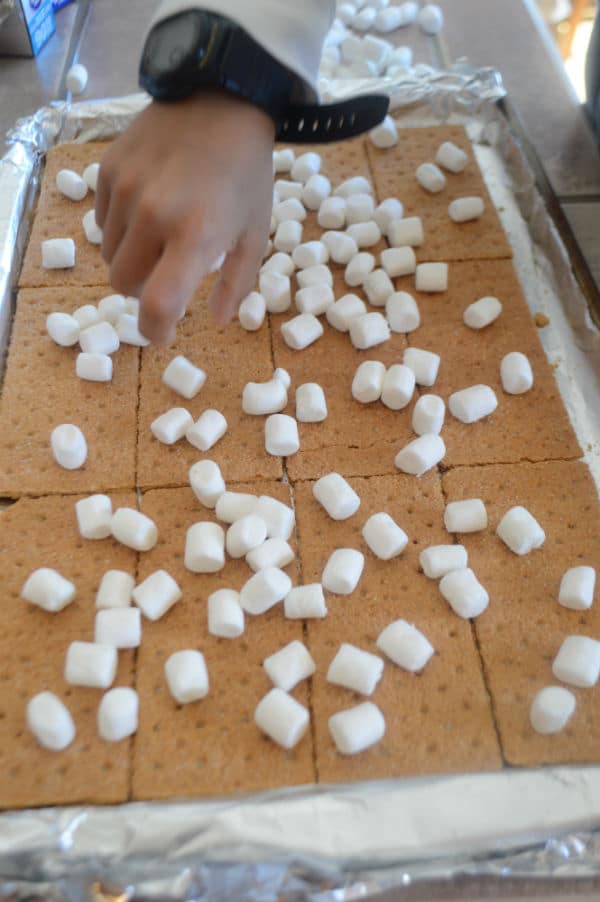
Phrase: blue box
x=28 y=28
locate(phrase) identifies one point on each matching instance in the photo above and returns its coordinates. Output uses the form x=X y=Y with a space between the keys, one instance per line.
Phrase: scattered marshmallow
x=89 y=664
x=69 y=446
x=306 y=165
x=119 y=627
x=134 y=529
x=578 y=662
x=245 y=534
x=276 y=290
x=231 y=506
x=464 y=593
x=358 y=184
x=58 y=253
x=305 y=602
x=482 y=313
x=289 y=666
x=378 y=287
x=207 y=482
x=316 y=190
x=275 y=552
x=357 y=729
x=314 y=275
x=406 y=232
x=101 y=338
x=90 y=175
x=77 y=79
x=156 y=594
x=282 y=718
x=368 y=330
x=47 y=589
x=92 y=230
x=183 y=377
x=384 y=135
x=86 y=316
x=359 y=208
x=291 y=210
x=399 y=261
x=389 y=19
x=342 y=247
x=472 y=404
x=424 y=364
x=283 y=376
x=428 y=415
x=398 y=387
x=384 y=537
x=187 y=676
x=421 y=454
x=129 y=332
x=336 y=496
x=205 y=547
x=465 y=516
x=437 y=560
x=287 y=237
x=343 y=571
x=332 y=213
x=281 y=434
x=71 y=184
x=279 y=262
x=402 y=312
x=264 y=590
x=359 y=268
x=451 y=157
x=431 y=19
x=355 y=669
x=366 y=234
x=551 y=710
x=311 y=253
x=94 y=515
x=172 y=426
x=430 y=177
x=515 y=373
x=466 y=209
x=207 y=430
x=431 y=277
x=405 y=645
x=367 y=383
x=225 y=614
x=577 y=588
x=520 y=531
x=115 y=590
x=283 y=160
x=118 y=714
x=364 y=19
x=94 y=367
x=286 y=189
x=260 y=398
x=311 y=406
x=50 y=721
x=387 y=212
x=63 y=329
x=314 y=299
x=304 y=329
x=278 y=517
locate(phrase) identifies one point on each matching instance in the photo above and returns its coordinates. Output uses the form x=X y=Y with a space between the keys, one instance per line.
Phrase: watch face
x=173 y=45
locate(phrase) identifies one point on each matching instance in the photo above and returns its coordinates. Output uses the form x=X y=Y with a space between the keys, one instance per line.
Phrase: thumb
x=238 y=275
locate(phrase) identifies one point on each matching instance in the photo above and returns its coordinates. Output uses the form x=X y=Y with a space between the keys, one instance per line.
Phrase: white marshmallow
x=466 y=209
x=291 y=210
x=515 y=373
x=245 y=534
x=336 y=496
x=464 y=593
x=343 y=571
x=183 y=377
x=281 y=435
x=129 y=332
x=94 y=515
x=451 y=157
x=63 y=329
x=119 y=627
x=111 y=307
x=410 y=11
x=428 y=415
x=47 y=589
x=118 y=714
x=357 y=729
x=401 y=57
x=384 y=537
x=71 y=184
x=389 y=19
x=134 y=529
x=283 y=376
x=332 y=213
x=286 y=189
x=405 y=645
x=578 y=662
x=311 y=406
x=92 y=230
x=58 y=253
x=473 y=403
x=115 y=590
x=50 y=721
x=287 y=237
x=367 y=383
x=424 y=364
x=431 y=277
x=304 y=602
x=577 y=588
x=77 y=79
x=101 y=338
x=132 y=306
x=172 y=426
x=368 y=330
x=205 y=547
x=421 y=454
x=259 y=398
x=225 y=614
x=207 y=430
x=279 y=518
x=341 y=314
x=90 y=175
x=465 y=516
x=282 y=718
x=402 y=312
x=86 y=316
x=365 y=19
x=378 y=287
x=68 y=445
x=187 y=676
x=316 y=190
x=520 y=531
x=437 y=560
x=156 y=594
x=314 y=299
x=89 y=664
x=207 y=482
x=264 y=590
x=342 y=247
x=289 y=666
x=431 y=19
x=274 y=552
x=276 y=290
x=279 y=262
x=384 y=135
x=430 y=177
x=306 y=164
x=399 y=261
x=346 y=12
x=355 y=669
x=481 y=313
x=359 y=268
x=551 y=709
x=406 y=232
x=283 y=160
x=314 y=275
x=311 y=253
x=359 y=208
x=366 y=234
x=231 y=506
x=388 y=211
x=358 y=184
x=398 y=387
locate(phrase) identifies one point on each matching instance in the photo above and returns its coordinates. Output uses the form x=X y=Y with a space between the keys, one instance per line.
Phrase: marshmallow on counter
x=187 y=676
x=281 y=435
x=465 y=516
x=402 y=312
x=341 y=246
x=367 y=383
x=77 y=79
x=399 y=261
x=286 y=189
x=311 y=406
x=94 y=367
x=520 y=531
x=481 y=313
x=314 y=299
x=578 y=662
x=305 y=602
x=430 y=19
x=311 y=253
x=437 y=560
x=129 y=332
x=378 y=287
x=336 y=496
x=431 y=277
x=405 y=645
x=421 y=454
x=183 y=377
x=134 y=529
x=343 y=571
x=368 y=330
x=314 y=275
x=342 y=312
x=464 y=593
x=276 y=290
x=398 y=387
x=69 y=446
x=384 y=537
x=71 y=184
x=430 y=177
x=304 y=329
x=356 y=729
x=359 y=208
x=410 y=11
x=115 y=590
x=231 y=506
x=225 y=614
x=278 y=517
x=119 y=627
x=207 y=482
x=359 y=268
x=50 y=721
x=207 y=430
x=111 y=307
x=472 y=404
x=289 y=666
x=244 y=535
x=92 y=230
x=48 y=589
x=366 y=234
x=551 y=709
x=364 y=19
x=94 y=515
x=282 y=718
x=205 y=547
x=306 y=165
x=283 y=160
x=355 y=669
x=389 y=19
x=58 y=253
x=101 y=338
x=577 y=588
x=315 y=191
x=89 y=664
x=118 y=714
x=259 y=398
x=291 y=210
x=424 y=364
x=515 y=373
x=63 y=329
x=275 y=552
x=287 y=237
x=90 y=175
x=156 y=594
x=466 y=209
x=451 y=157
x=358 y=184
x=172 y=426
x=385 y=134
x=428 y=415
x=279 y=262
x=387 y=212
x=264 y=590
x=332 y=213
x=406 y=232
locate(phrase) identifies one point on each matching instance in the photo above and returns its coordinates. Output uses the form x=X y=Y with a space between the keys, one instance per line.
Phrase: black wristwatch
x=195 y=49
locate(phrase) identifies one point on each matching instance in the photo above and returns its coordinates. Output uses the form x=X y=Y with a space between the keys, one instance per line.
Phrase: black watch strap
x=334 y=121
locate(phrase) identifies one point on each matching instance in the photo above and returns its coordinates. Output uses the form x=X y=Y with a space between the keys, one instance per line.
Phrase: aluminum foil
x=339 y=842
x=6 y=7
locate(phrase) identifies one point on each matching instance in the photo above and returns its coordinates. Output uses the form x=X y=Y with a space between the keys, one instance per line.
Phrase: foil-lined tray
x=338 y=842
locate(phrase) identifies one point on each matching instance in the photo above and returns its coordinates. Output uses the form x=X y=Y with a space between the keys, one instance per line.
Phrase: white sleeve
x=292 y=31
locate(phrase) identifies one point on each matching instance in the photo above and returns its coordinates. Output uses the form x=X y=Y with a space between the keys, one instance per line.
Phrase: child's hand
x=188 y=181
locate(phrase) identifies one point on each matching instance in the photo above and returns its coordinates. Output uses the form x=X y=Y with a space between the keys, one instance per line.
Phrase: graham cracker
x=76 y=157
x=439 y=720
x=36 y=399
x=522 y=629
x=43 y=532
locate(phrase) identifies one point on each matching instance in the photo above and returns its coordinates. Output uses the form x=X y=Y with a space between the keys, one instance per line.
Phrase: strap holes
x=315 y=125
x=352 y=118
x=301 y=125
x=328 y=124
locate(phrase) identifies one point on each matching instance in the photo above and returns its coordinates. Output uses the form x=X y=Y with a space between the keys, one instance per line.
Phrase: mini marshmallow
x=86 y=316
x=577 y=588
x=132 y=306
x=278 y=517
x=341 y=314
x=355 y=669
x=343 y=571
x=183 y=377
x=77 y=79
x=71 y=184
x=283 y=160
x=365 y=19
x=398 y=261
x=515 y=373
x=259 y=398
x=431 y=19
x=68 y=445
x=129 y=332
x=89 y=664
x=384 y=537
x=187 y=676
x=481 y=313
x=304 y=602
x=111 y=307
x=428 y=415
x=466 y=209
x=368 y=330
x=245 y=534
x=276 y=290
x=304 y=329
x=336 y=496
x=384 y=135
x=306 y=164
x=464 y=593
x=282 y=718
x=316 y=190
x=279 y=262
x=207 y=430
x=207 y=482
x=115 y=590
x=58 y=253
x=332 y=213
x=274 y=552
x=118 y=714
x=424 y=364
x=119 y=627
x=430 y=177
x=578 y=662
x=205 y=547
x=421 y=454
x=94 y=515
x=367 y=383
x=366 y=234
x=231 y=506
x=473 y=403
x=172 y=426
x=359 y=208
x=311 y=253
x=342 y=247
x=47 y=589
x=398 y=387
x=358 y=184
x=520 y=531
x=389 y=19
x=388 y=211
x=551 y=709
x=378 y=287
x=406 y=232
x=63 y=329
x=431 y=277
x=346 y=12
x=359 y=268
x=264 y=590
x=92 y=230
x=405 y=645
x=134 y=529
x=225 y=614
x=286 y=189
x=314 y=299
x=287 y=237
x=90 y=175
x=291 y=210
x=289 y=666
x=50 y=721
x=465 y=516
x=101 y=338
x=410 y=11
x=314 y=275
x=281 y=435
x=402 y=312
x=451 y=157
x=311 y=406
x=357 y=729
x=157 y=594
x=437 y=560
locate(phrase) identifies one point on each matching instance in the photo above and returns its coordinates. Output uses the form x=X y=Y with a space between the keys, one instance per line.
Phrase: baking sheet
x=340 y=842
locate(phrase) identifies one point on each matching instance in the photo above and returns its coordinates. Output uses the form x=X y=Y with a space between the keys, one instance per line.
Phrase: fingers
x=238 y=275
